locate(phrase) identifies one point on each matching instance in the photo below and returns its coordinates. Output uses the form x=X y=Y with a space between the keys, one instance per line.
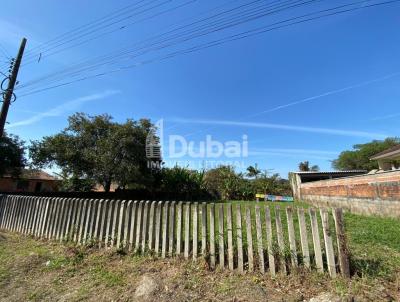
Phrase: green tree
x=304 y=166
x=97 y=149
x=359 y=157
x=253 y=171
x=12 y=155
x=222 y=182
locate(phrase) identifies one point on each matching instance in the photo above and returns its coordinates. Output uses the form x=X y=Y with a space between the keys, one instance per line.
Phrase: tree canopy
x=98 y=149
x=359 y=157
x=12 y=155
x=304 y=166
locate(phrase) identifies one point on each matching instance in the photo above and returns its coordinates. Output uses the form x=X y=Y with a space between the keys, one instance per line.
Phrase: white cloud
x=385 y=117
x=351 y=133
x=63 y=108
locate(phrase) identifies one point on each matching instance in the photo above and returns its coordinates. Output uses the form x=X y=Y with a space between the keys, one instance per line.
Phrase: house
x=29 y=181
x=388 y=159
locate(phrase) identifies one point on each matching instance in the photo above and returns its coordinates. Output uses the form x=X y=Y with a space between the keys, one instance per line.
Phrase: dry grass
x=44 y=271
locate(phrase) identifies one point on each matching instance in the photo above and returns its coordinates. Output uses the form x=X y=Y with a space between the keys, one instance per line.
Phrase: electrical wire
x=278 y=25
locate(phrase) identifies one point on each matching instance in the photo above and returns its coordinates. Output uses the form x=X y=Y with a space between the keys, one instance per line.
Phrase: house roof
x=388 y=153
x=330 y=172
x=33 y=174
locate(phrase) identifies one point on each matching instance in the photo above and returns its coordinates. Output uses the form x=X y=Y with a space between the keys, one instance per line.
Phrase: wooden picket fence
x=222 y=233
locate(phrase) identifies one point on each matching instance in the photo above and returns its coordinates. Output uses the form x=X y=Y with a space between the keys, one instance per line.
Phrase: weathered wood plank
x=230 y=235
x=281 y=242
x=303 y=237
x=138 y=225
x=328 y=243
x=151 y=225
x=212 y=236
x=171 y=229
x=96 y=232
x=260 y=246
x=103 y=223
x=268 y=227
x=343 y=252
x=158 y=228
x=144 y=224
x=195 y=230
x=133 y=225
x=292 y=236
x=204 y=229
x=239 y=238
x=179 y=228
x=111 y=208
x=120 y=223
x=115 y=222
x=221 y=242
x=250 y=253
x=164 y=230
x=187 y=230
x=316 y=241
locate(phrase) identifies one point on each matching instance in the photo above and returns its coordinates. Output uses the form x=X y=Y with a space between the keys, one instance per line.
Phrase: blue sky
x=304 y=92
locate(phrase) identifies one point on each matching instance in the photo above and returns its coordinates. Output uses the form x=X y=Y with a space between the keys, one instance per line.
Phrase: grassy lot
x=40 y=270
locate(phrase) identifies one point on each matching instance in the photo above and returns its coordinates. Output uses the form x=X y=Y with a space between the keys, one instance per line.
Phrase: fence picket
x=144 y=224
x=171 y=229
x=260 y=246
x=343 y=253
x=195 y=231
x=212 y=236
x=179 y=212
x=281 y=242
x=151 y=225
x=187 y=230
x=230 y=235
x=250 y=257
x=138 y=225
x=328 y=243
x=120 y=223
x=292 y=238
x=303 y=237
x=132 y=233
x=239 y=237
x=203 y=229
x=271 y=257
x=221 y=243
x=164 y=230
x=316 y=241
x=158 y=228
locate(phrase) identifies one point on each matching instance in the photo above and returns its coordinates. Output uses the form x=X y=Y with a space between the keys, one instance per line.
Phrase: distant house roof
x=34 y=174
x=390 y=153
x=307 y=176
x=330 y=172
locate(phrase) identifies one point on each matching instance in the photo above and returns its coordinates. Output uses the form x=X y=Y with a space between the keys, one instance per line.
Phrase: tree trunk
x=107 y=186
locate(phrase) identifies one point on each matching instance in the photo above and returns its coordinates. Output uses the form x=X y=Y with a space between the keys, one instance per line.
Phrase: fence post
x=316 y=241
x=328 y=243
x=303 y=237
x=144 y=227
x=268 y=226
x=281 y=242
x=259 y=240
x=158 y=228
x=292 y=238
x=114 y=223
x=87 y=222
x=179 y=228
x=120 y=223
x=204 y=229
x=138 y=225
x=171 y=229
x=111 y=206
x=133 y=224
x=105 y=209
x=250 y=256
x=343 y=252
x=151 y=226
x=212 y=236
x=164 y=230
x=195 y=230
x=230 y=236
x=96 y=232
x=221 y=236
x=187 y=230
x=128 y=211
x=239 y=237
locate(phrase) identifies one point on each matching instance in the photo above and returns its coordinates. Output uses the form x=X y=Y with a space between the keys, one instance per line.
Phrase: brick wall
x=366 y=194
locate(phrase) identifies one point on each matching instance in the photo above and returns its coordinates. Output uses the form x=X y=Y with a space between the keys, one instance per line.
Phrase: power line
x=193 y=33
x=277 y=25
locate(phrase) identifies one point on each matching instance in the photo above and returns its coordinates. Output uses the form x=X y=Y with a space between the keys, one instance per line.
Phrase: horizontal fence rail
x=238 y=237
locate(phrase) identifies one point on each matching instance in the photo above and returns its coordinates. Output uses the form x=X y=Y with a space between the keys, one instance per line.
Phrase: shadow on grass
x=367 y=267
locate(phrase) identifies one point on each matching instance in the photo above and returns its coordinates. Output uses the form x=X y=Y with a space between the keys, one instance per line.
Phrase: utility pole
x=10 y=89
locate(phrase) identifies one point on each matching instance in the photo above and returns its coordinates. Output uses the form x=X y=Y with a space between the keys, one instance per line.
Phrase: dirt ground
x=32 y=270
